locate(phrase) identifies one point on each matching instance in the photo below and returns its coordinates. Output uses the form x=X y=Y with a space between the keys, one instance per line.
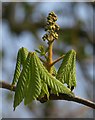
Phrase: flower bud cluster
x=51 y=28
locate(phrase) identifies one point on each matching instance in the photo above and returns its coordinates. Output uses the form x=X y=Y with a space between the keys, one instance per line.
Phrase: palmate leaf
x=21 y=58
x=34 y=79
x=51 y=81
x=67 y=71
x=34 y=85
x=22 y=83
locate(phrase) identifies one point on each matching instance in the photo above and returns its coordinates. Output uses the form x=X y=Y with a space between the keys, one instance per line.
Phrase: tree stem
x=49 y=56
x=54 y=96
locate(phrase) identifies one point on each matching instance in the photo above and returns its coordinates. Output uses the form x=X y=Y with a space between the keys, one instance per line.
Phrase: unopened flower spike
x=51 y=28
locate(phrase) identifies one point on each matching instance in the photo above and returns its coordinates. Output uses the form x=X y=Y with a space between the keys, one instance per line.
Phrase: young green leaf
x=34 y=87
x=24 y=54
x=44 y=90
x=51 y=81
x=17 y=69
x=21 y=58
x=22 y=83
x=67 y=71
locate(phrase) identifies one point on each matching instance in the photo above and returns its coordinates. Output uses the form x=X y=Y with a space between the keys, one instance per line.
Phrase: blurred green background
x=23 y=25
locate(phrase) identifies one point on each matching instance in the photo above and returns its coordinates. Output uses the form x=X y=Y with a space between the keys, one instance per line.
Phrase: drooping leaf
x=22 y=83
x=51 y=81
x=24 y=53
x=67 y=71
x=34 y=87
x=21 y=58
x=17 y=69
x=44 y=90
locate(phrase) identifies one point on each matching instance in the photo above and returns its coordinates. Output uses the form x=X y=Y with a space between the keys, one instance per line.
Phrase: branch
x=55 y=61
x=7 y=86
x=55 y=97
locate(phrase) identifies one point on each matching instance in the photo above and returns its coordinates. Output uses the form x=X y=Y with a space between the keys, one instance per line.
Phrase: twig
x=7 y=86
x=55 y=97
x=55 y=61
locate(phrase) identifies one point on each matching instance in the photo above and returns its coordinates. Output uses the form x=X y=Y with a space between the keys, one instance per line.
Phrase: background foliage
x=23 y=25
